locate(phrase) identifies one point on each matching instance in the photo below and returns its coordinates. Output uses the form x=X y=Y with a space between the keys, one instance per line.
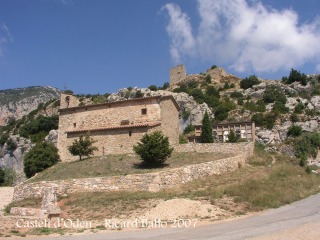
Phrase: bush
x=249 y=82
x=264 y=120
x=208 y=78
x=214 y=66
x=299 y=108
x=280 y=108
x=82 y=147
x=236 y=95
x=185 y=115
x=139 y=94
x=153 y=87
x=206 y=133
x=3 y=138
x=165 y=85
x=259 y=106
x=153 y=149
x=7 y=176
x=307 y=146
x=295 y=76
x=39 y=158
x=274 y=93
x=212 y=91
x=39 y=124
x=294 y=131
x=221 y=113
x=188 y=129
x=294 y=117
x=11 y=145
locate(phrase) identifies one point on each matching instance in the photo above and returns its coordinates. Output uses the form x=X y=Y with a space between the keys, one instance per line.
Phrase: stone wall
x=177 y=74
x=147 y=182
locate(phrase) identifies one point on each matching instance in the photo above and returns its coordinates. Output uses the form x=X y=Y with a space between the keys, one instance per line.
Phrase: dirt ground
x=195 y=212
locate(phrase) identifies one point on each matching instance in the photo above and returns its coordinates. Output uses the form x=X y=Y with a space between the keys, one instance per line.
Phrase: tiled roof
x=150 y=124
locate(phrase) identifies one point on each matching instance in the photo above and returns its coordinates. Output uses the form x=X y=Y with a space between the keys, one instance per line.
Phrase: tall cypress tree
x=206 y=134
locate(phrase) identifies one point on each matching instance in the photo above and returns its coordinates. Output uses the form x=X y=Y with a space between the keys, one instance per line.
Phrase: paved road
x=269 y=222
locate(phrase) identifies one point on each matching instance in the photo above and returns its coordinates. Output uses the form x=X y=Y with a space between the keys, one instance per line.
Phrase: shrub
x=307 y=146
x=294 y=117
x=208 y=78
x=188 y=129
x=226 y=86
x=274 y=93
x=264 y=120
x=221 y=113
x=299 y=108
x=214 y=66
x=39 y=158
x=3 y=138
x=212 y=101
x=280 y=107
x=165 y=85
x=206 y=132
x=232 y=85
x=7 y=176
x=185 y=115
x=259 y=106
x=39 y=124
x=153 y=149
x=153 y=87
x=295 y=76
x=236 y=95
x=294 y=131
x=212 y=91
x=11 y=145
x=249 y=82
x=82 y=147
x=139 y=94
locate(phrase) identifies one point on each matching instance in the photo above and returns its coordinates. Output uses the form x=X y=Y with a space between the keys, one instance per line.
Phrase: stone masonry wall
x=177 y=74
x=149 y=181
x=162 y=112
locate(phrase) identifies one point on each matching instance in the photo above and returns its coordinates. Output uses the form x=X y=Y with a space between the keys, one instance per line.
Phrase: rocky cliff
x=20 y=101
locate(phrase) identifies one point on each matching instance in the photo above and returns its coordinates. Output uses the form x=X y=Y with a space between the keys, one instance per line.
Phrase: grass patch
x=112 y=165
x=270 y=180
x=46 y=231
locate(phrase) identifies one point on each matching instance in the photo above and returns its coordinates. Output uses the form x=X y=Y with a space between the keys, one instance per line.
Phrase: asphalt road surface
x=270 y=222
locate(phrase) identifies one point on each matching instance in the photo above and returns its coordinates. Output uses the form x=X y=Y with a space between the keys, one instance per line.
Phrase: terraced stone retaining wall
x=155 y=181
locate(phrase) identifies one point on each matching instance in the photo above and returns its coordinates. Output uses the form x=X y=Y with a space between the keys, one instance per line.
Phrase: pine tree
x=154 y=149
x=206 y=134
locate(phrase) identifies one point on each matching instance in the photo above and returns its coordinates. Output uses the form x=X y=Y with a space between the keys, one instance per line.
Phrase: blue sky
x=99 y=46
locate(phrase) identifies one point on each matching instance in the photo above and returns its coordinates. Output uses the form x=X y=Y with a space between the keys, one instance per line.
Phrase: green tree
x=154 y=149
x=232 y=137
x=295 y=76
x=249 y=82
x=40 y=157
x=82 y=147
x=206 y=133
x=165 y=85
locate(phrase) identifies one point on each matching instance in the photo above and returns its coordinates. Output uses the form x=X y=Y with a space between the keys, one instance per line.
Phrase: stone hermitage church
x=116 y=126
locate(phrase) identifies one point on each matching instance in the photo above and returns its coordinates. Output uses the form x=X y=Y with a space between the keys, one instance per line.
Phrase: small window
x=130 y=133
x=144 y=111
x=74 y=125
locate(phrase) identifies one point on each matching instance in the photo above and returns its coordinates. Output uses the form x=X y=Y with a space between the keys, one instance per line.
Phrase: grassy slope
x=118 y=165
x=260 y=185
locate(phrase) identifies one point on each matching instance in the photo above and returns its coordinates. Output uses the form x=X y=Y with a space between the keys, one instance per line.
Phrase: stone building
x=220 y=132
x=177 y=74
x=116 y=126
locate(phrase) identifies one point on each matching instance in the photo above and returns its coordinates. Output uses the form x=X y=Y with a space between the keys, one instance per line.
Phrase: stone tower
x=177 y=74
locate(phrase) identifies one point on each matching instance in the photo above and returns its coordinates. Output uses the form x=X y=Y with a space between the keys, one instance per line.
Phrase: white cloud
x=5 y=37
x=180 y=32
x=245 y=35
